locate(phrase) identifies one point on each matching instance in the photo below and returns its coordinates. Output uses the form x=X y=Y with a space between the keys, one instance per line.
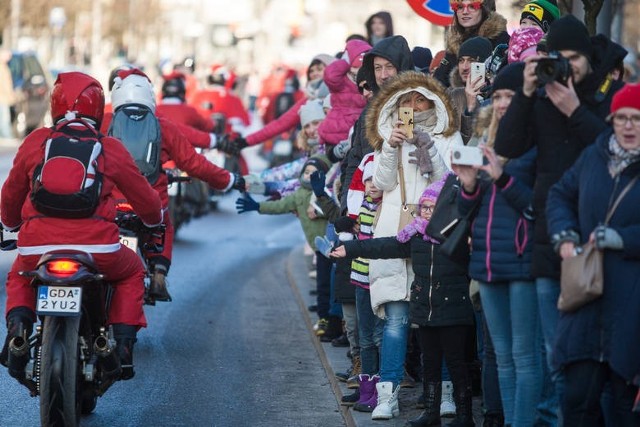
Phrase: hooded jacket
x=560 y=139
x=396 y=50
x=391 y=279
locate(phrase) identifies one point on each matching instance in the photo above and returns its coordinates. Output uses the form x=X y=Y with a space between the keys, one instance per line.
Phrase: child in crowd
x=439 y=304
x=313 y=224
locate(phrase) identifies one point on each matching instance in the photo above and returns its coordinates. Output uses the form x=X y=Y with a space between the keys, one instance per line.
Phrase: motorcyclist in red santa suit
x=134 y=87
x=77 y=95
x=174 y=107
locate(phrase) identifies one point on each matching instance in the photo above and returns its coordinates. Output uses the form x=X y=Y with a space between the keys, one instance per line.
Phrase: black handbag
x=448 y=226
x=445 y=213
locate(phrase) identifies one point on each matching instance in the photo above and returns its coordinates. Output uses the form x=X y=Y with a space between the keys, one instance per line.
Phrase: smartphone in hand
x=478 y=69
x=405 y=114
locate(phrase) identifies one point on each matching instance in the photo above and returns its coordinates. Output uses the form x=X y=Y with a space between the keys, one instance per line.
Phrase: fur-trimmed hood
x=491 y=28
x=454 y=78
x=382 y=112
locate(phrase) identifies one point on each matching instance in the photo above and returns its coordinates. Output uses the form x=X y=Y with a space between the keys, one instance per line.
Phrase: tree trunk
x=591 y=11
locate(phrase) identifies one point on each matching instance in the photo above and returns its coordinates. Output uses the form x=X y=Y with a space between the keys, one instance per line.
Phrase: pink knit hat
x=523 y=42
x=433 y=190
x=356 y=50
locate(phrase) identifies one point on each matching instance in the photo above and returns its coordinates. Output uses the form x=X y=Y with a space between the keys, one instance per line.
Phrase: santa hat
x=355 y=194
x=367 y=169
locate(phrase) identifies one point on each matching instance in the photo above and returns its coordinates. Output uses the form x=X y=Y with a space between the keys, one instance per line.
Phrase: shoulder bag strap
x=403 y=196
x=623 y=193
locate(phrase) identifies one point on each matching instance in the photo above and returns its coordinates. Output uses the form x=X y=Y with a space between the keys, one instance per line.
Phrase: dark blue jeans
x=370 y=332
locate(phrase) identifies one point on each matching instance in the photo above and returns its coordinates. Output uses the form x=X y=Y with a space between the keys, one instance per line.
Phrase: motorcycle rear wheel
x=60 y=403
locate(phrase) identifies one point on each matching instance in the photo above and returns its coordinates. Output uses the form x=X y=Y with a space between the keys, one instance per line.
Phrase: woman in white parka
x=425 y=158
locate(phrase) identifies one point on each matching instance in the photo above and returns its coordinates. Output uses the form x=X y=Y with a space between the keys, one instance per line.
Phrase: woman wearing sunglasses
x=470 y=19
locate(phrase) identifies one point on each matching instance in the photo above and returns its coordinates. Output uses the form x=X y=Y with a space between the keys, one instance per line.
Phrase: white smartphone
x=468 y=156
x=478 y=69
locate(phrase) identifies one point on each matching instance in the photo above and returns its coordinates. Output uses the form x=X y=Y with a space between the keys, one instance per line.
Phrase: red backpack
x=68 y=182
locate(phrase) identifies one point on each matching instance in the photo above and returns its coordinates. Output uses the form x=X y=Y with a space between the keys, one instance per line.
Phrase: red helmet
x=77 y=94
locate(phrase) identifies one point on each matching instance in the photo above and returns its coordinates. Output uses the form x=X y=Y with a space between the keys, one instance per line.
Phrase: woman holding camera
x=598 y=343
x=500 y=197
x=403 y=167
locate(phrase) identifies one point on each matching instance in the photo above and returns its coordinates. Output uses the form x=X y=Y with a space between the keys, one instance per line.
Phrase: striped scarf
x=360 y=266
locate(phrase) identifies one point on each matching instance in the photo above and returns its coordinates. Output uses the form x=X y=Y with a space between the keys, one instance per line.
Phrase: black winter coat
x=440 y=290
x=537 y=122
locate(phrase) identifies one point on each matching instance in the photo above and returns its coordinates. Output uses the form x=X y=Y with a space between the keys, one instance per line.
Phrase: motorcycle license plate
x=130 y=241
x=59 y=300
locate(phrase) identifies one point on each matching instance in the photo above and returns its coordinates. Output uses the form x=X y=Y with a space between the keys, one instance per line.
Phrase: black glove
x=318 y=180
x=344 y=224
x=230 y=145
x=246 y=204
x=239 y=182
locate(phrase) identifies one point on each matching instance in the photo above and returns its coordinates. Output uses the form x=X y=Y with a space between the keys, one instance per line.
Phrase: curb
x=335 y=387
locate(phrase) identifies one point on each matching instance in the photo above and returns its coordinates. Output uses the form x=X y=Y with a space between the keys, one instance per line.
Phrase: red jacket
x=97 y=234
x=285 y=122
x=221 y=101
x=184 y=114
x=177 y=148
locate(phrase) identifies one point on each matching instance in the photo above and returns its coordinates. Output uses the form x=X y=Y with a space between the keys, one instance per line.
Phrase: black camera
x=554 y=67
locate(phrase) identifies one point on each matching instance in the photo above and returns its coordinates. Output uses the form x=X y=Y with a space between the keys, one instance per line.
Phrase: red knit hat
x=628 y=96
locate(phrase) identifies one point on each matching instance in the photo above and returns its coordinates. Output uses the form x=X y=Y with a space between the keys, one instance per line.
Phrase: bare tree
x=591 y=10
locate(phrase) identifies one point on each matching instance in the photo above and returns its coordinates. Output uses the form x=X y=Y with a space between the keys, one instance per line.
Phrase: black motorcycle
x=70 y=360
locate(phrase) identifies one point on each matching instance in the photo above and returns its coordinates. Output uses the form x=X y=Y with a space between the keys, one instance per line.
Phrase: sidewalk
x=335 y=360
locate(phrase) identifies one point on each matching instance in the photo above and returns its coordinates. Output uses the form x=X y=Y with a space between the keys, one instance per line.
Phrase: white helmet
x=133 y=88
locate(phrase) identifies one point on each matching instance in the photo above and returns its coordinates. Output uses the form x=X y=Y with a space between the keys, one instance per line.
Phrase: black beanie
x=319 y=161
x=476 y=47
x=421 y=58
x=568 y=33
x=509 y=77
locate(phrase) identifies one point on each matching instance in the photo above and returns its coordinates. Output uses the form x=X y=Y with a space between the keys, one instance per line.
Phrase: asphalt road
x=232 y=349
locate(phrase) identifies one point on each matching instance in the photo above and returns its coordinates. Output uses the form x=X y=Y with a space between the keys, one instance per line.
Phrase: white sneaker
x=447 y=405
x=313 y=274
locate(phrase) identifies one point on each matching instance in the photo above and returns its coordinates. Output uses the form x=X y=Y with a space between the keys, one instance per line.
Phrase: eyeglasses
x=621 y=120
x=476 y=5
x=426 y=208
x=364 y=86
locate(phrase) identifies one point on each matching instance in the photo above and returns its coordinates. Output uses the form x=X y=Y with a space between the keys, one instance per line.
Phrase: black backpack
x=139 y=130
x=68 y=182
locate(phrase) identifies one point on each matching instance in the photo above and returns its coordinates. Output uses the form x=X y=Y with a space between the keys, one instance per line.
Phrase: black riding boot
x=431 y=414
x=158 y=287
x=125 y=336
x=20 y=325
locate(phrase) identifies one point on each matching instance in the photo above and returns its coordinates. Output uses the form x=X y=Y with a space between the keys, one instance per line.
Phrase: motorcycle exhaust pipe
x=18 y=357
x=108 y=359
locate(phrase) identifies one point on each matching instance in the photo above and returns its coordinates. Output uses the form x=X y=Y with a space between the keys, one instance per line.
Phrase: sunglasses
x=364 y=86
x=476 y=5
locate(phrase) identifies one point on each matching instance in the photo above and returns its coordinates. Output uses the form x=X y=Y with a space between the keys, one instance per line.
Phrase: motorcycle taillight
x=63 y=267
x=124 y=207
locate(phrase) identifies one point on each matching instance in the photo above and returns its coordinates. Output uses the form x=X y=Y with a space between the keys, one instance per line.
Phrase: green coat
x=298 y=202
